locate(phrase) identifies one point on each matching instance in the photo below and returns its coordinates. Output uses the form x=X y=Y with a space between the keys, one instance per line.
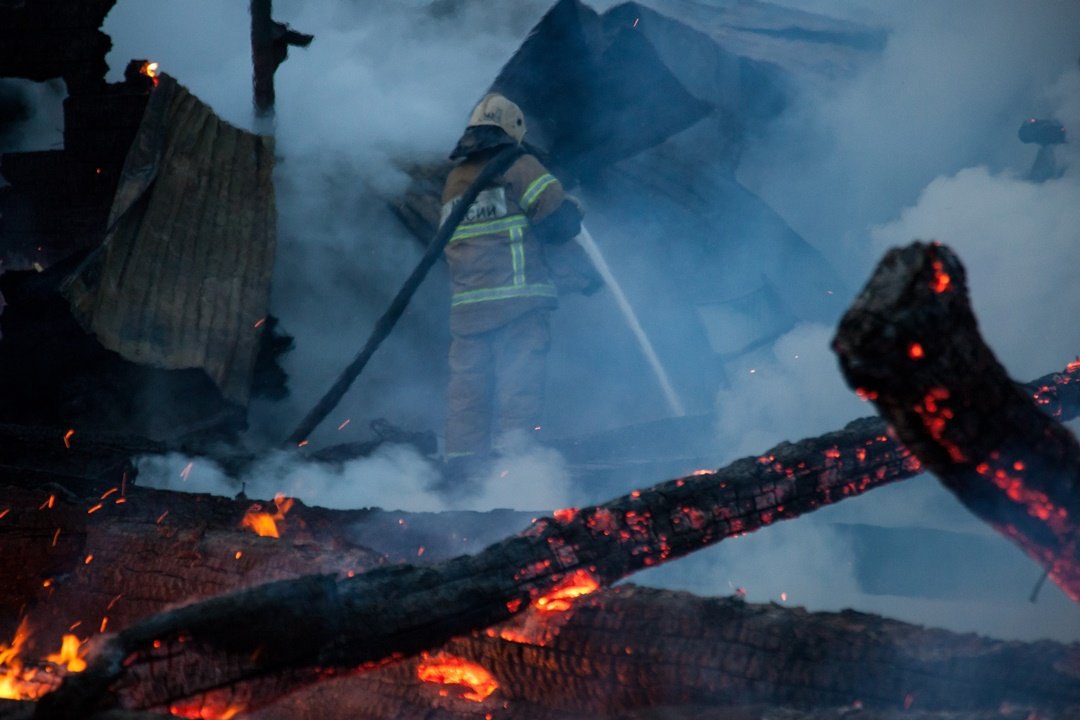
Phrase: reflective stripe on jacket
x=497 y=268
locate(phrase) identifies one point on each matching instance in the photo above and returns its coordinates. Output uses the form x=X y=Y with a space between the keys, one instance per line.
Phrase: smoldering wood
x=240 y=641
x=910 y=341
x=629 y=648
x=622 y=651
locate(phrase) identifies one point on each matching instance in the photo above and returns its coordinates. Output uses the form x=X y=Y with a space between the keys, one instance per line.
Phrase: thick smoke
x=920 y=143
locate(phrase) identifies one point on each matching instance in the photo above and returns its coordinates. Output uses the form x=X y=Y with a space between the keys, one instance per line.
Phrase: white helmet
x=497 y=110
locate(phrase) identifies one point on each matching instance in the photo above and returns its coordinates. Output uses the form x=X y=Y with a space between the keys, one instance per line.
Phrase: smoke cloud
x=919 y=143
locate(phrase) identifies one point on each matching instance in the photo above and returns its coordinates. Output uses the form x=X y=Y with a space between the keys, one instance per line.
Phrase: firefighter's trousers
x=496 y=383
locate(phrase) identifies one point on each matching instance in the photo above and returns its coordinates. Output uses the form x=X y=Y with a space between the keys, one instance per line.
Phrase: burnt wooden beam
x=910 y=342
x=628 y=648
x=618 y=652
x=266 y=641
x=270 y=41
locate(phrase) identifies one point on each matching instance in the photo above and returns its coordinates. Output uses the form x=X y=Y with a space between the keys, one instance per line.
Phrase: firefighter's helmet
x=497 y=110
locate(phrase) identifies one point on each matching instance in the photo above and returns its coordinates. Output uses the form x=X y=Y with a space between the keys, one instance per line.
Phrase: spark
x=67 y=437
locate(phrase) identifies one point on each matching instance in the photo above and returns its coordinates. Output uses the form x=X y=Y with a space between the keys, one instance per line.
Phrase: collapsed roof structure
x=713 y=245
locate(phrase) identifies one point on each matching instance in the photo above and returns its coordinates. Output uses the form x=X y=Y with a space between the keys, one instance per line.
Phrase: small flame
x=68 y=656
x=265 y=524
x=19 y=681
x=446 y=669
x=150 y=70
x=579 y=583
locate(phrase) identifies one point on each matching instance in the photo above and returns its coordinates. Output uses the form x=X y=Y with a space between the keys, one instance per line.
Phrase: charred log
x=621 y=651
x=910 y=342
x=340 y=624
x=270 y=41
x=629 y=648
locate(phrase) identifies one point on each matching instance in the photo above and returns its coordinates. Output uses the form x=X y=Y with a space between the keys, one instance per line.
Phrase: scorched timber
x=911 y=343
x=263 y=642
x=624 y=649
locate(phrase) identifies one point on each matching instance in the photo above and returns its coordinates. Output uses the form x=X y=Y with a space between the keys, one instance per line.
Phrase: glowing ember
x=941 y=281
x=265 y=524
x=565 y=515
x=443 y=669
x=205 y=709
x=578 y=583
x=915 y=351
x=67 y=438
x=935 y=416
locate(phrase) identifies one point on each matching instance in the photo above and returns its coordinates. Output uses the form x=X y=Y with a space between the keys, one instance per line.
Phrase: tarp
x=182 y=279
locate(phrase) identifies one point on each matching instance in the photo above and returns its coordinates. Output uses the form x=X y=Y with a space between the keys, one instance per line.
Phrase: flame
x=150 y=70
x=265 y=524
x=19 y=681
x=578 y=583
x=68 y=656
x=446 y=669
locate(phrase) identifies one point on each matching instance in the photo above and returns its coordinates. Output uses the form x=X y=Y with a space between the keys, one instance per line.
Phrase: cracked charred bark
x=266 y=641
x=910 y=342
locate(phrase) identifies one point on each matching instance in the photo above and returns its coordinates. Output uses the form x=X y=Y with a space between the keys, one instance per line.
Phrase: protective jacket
x=496 y=254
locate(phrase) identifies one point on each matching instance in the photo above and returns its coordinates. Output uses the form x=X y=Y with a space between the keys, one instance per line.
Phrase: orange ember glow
x=578 y=583
x=915 y=351
x=443 y=669
x=67 y=438
x=565 y=515
x=265 y=524
x=941 y=281
x=203 y=709
x=25 y=682
x=936 y=415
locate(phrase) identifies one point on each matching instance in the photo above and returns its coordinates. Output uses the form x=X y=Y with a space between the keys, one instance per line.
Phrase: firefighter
x=502 y=290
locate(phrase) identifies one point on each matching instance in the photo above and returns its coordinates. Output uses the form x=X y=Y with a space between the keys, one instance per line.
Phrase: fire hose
x=385 y=324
